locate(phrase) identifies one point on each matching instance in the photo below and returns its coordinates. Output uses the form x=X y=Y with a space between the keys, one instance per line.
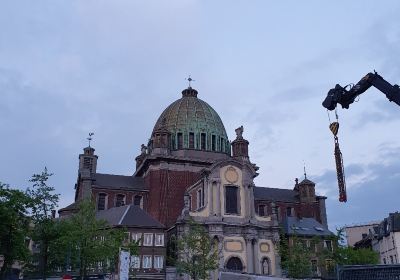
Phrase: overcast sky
x=68 y=68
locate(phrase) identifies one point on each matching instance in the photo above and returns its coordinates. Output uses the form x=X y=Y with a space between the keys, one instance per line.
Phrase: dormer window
x=101 y=201
x=120 y=200
x=261 y=210
x=191 y=140
x=180 y=140
x=203 y=141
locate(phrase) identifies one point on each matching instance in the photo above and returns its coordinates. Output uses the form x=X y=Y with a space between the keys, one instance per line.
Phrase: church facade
x=189 y=170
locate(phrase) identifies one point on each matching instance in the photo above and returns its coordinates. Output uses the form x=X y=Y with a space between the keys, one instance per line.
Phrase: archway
x=234 y=264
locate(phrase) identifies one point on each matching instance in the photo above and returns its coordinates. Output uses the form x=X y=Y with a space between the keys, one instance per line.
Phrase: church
x=190 y=170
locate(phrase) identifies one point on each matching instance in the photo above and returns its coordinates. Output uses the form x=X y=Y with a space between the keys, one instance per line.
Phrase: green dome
x=193 y=124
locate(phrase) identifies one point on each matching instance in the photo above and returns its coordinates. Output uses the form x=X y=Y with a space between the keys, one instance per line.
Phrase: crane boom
x=345 y=97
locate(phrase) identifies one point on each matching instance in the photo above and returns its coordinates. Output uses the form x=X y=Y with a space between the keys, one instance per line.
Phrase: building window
x=200 y=198
x=135 y=262
x=231 y=200
x=158 y=262
x=289 y=212
x=180 y=140
x=146 y=262
x=203 y=141
x=391 y=259
x=314 y=267
x=136 y=236
x=137 y=200
x=222 y=145
x=328 y=245
x=101 y=201
x=213 y=143
x=191 y=140
x=384 y=260
x=120 y=200
x=148 y=239
x=234 y=264
x=261 y=210
x=159 y=239
x=329 y=266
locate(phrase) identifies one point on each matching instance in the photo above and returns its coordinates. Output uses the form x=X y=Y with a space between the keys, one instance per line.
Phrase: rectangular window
x=159 y=239
x=222 y=145
x=200 y=198
x=137 y=201
x=120 y=200
x=191 y=140
x=231 y=200
x=203 y=141
x=101 y=201
x=136 y=236
x=180 y=141
x=213 y=143
x=328 y=245
x=146 y=262
x=148 y=239
x=289 y=211
x=314 y=267
x=135 y=262
x=261 y=210
x=158 y=262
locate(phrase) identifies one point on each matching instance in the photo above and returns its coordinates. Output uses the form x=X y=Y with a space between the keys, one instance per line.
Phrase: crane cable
x=334 y=128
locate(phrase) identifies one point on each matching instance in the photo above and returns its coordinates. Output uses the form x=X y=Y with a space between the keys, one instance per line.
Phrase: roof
x=306 y=182
x=129 y=216
x=119 y=181
x=305 y=226
x=72 y=206
x=275 y=194
x=190 y=114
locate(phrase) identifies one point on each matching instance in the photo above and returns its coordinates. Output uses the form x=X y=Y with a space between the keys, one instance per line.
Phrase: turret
x=240 y=146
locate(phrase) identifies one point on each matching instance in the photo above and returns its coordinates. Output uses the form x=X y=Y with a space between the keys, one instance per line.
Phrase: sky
x=69 y=67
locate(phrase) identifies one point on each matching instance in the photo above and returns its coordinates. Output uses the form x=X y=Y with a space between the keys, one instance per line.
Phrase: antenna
x=90 y=137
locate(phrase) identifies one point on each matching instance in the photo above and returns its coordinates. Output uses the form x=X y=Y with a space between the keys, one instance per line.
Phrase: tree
x=14 y=227
x=89 y=242
x=44 y=202
x=295 y=258
x=197 y=253
x=346 y=255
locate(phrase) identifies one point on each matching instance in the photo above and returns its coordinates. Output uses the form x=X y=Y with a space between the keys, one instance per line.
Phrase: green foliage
x=14 y=226
x=296 y=257
x=197 y=253
x=44 y=232
x=89 y=242
x=345 y=255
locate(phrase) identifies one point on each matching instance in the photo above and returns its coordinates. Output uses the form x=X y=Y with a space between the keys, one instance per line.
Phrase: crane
x=345 y=97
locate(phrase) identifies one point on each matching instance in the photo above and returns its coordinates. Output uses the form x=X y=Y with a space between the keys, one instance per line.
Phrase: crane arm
x=344 y=97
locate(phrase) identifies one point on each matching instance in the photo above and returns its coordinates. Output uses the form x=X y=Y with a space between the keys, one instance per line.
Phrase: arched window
x=120 y=200
x=138 y=201
x=234 y=264
x=101 y=201
x=265 y=269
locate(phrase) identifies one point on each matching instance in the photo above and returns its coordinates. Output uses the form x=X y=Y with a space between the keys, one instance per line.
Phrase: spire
x=304 y=168
x=90 y=137
x=189 y=92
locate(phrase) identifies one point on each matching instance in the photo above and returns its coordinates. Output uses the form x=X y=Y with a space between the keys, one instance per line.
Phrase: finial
x=90 y=137
x=190 y=80
x=304 y=167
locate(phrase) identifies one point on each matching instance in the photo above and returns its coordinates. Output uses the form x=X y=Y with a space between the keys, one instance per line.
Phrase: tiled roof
x=274 y=194
x=129 y=216
x=72 y=206
x=118 y=181
x=305 y=226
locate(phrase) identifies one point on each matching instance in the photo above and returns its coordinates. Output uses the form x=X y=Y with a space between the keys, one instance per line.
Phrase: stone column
x=255 y=254
x=275 y=240
x=251 y=201
x=250 y=255
x=210 y=196
x=218 y=198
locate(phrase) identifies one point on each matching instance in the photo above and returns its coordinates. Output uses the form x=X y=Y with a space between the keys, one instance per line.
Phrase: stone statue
x=239 y=132
x=186 y=204
x=143 y=149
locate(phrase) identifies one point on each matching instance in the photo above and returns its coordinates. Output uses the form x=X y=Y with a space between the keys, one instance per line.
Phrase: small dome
x=193 y=124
